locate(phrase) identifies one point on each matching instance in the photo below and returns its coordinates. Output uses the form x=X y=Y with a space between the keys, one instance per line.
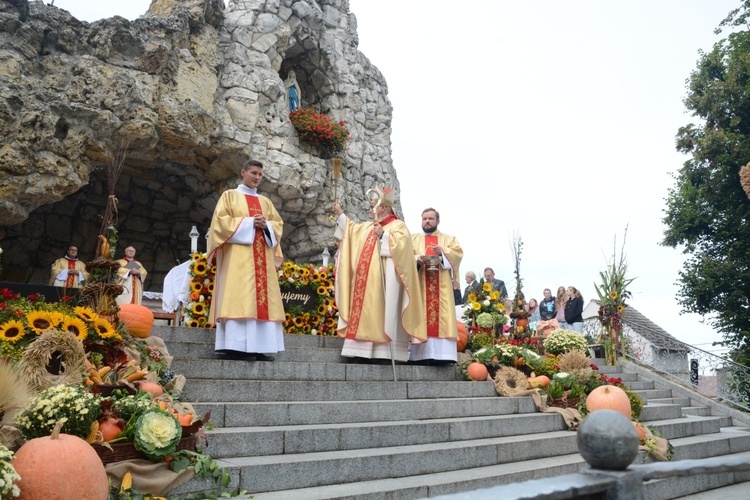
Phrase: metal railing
x=706 y=373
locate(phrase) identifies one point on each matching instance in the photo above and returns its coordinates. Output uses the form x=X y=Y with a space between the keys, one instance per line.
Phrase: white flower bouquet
x=8 y=475
x=77 y=407
x=561 y=341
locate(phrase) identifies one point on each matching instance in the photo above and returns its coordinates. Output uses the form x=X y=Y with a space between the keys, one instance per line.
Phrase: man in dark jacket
x=473 y=286
x=499 y=285
x=547 y=309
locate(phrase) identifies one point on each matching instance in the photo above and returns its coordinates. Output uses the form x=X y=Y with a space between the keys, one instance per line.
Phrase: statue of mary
x=293 y=93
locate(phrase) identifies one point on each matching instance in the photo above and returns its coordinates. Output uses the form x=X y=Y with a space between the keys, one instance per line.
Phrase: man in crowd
x=547 y=309
x=244 y=242
x=436 y=282
x=473 y=286
x=68 y=271
x=132 y=275
x=499 y=285
x=377 y=286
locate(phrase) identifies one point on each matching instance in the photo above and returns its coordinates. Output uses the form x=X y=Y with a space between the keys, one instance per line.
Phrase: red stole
x=259 y=259
x=71 y=279
x=360 y=279
x=432 y=291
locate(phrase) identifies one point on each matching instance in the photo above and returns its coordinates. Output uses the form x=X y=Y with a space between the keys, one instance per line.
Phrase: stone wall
x=188 y=92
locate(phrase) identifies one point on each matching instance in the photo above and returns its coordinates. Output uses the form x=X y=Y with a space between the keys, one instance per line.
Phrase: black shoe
x=263 y=357
x=442 y=362
x=234 y=355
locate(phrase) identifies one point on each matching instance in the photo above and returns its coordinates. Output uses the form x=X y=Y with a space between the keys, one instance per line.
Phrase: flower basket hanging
x=320 y=131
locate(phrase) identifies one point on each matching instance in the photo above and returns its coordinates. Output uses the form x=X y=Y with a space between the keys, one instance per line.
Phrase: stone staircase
x=310 y=425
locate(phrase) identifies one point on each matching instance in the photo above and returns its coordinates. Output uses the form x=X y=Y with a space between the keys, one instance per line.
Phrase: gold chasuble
x=133 y=293
x=360 y=294
x=247 y=285
x=67 y=280
x=437 y=286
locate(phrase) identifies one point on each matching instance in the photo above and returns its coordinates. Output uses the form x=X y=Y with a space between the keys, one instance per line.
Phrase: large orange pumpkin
x=138 y=319
x=609 y=397
x=59 y=467
x=463 y=336
x=477 y=371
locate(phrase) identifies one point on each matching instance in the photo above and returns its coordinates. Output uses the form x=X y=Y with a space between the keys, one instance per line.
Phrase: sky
x=550 y=121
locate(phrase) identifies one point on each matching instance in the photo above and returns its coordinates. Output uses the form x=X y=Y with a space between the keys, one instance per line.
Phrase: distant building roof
x=641 y=325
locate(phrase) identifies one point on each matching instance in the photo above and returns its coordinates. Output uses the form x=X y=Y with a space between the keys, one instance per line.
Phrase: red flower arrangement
x=319 y=130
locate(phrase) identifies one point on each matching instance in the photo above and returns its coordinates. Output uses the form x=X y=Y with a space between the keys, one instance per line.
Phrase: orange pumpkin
x=640 y=430
x=110 y=429
x=477 y=371
x=60 y=466
x=138 y=319
x=609 y=397
x=155 y=389
x=539 y=382
x=522 y=322
x=463 y=337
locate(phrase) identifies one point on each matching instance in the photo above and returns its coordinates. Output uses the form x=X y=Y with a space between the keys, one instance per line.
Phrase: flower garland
x=201 y=291
x=23 y=319
x=323 y=319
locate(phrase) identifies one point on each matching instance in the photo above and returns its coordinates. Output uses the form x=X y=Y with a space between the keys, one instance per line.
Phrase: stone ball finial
x=607 y=440
x=745 y=179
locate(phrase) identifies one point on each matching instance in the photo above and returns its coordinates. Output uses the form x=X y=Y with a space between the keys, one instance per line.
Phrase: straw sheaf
x=573 y=360
x=33 y=365
x=13 y=394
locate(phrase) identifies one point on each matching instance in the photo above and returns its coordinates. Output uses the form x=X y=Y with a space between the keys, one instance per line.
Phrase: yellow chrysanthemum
x=199 y=308
x=12 y=331
x=200 y=268
x=476 y=306
x=39 y=321
x=495 y=294
x=620 y=308
x=195 y=286
x=86 y=314
x=613 y=294
x=487 y=287
x=76 y=326
x=104 y=329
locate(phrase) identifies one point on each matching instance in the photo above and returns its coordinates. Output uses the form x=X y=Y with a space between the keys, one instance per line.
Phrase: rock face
x=187 y=92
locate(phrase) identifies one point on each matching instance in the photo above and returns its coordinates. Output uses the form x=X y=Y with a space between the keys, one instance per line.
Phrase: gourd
x=155 y=389
x=60 y=467
x=477 y=371
x=540 y=382
x=463 y=337
x=138 y=319
x=609 y=397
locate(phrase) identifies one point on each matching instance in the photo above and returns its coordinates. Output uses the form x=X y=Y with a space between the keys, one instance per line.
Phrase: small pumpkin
x=477 y=371
x=138 y=319
x=110 y=428
x=540 y=382
x=463 y=337
x=641 y=430
x=522 y=322
x=60 y=466
x=609 y=397
x=155 y=389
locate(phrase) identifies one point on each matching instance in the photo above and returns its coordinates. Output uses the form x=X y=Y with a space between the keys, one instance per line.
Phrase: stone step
x=729 y=440
x=701 y=411
x=731 y=492
x=294 y=439
x=682 y=401
x=221 y=370
x=649 y=394
x=653 y=412
x=243 y=414
x=205 y=390
x=639 y=385
x=273 y=473
x=690 y=426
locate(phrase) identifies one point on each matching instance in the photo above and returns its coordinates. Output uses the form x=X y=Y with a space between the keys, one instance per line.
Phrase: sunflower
x=303 y=271
x=12 y=331
x=620 y=308
x=476 y=306
x=323 y=274
x=193 y=323
x=86 y=314
x=494 y=294
x=306 y=329
x=613 y=294
x=199 y=308
x=328 y=302
x=196 y=257
x=487 y=287
x=56 y=317
x=298 y=321
x=210 y=287
x=322 y=308
x=195 y=286
x=39 y=321
x=315 y=276
x=104 y=329
x=472 y=297
x=287 y=316
x=213 y=269
x=202 y=321
x=76 y=326
x=322 y=290
x=200 y=268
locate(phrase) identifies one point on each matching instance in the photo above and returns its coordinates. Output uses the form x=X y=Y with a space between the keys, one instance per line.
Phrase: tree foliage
x=707 y=211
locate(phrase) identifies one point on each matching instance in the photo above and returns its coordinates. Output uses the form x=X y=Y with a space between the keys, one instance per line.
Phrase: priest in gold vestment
x=244 y=242
x=68 y=271
x=132 y=275
x=437 y=282
x=377 y=286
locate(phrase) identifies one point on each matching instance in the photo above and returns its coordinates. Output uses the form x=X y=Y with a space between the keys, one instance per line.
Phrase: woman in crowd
x=574 y=310
x=560 y=301
x=535 y=316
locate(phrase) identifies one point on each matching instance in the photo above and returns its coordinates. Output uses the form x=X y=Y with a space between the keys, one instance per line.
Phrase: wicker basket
x=127 y=451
